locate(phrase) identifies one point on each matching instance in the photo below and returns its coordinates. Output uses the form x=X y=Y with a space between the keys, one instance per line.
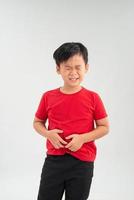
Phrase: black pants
x=65 y=173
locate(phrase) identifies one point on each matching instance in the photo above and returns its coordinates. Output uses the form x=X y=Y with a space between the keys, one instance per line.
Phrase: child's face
x=73 y=70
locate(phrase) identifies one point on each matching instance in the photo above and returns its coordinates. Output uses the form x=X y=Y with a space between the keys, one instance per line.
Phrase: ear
x=58 y=69
x=87 y=67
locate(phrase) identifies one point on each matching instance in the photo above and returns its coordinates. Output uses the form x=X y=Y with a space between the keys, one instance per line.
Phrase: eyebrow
x=75 y=66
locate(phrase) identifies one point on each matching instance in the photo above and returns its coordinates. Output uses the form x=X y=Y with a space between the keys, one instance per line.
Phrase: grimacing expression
x=73 y=70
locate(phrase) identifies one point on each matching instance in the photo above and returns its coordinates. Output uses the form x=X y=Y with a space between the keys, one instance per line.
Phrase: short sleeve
x=41 y=112
x=99 y=108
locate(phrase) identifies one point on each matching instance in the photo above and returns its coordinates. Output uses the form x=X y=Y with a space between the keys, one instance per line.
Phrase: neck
x=67 y=89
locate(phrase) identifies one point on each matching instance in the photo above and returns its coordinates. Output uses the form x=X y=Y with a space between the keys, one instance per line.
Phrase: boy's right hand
x=55 y=139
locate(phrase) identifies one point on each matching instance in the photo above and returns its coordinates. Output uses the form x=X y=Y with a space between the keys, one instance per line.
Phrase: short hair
x=69 y=49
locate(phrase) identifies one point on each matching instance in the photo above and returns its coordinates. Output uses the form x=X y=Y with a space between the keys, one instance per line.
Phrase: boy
x=71 y=111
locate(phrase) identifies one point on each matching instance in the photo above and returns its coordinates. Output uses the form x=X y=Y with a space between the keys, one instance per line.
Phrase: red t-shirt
x=74 y=114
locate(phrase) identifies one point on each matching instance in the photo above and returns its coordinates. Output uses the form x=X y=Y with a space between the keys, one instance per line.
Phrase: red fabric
x=74 y=114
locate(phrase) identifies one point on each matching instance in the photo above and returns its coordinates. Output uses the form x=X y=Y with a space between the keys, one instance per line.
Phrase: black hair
x=69 y=49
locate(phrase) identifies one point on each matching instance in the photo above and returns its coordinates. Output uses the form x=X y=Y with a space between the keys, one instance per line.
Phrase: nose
x=73 y=71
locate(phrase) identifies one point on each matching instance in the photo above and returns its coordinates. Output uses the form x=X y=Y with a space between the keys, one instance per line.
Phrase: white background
x=30 y=31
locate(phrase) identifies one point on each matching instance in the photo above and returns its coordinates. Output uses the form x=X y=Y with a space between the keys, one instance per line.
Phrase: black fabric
x=65 y=173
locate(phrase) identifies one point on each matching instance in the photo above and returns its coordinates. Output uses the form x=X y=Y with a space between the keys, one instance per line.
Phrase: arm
x=102 y=128
x=39 y=126
x=52 y=135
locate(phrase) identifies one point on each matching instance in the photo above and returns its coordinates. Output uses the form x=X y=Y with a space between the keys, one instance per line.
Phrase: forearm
x=40 y=128
x=97 y=133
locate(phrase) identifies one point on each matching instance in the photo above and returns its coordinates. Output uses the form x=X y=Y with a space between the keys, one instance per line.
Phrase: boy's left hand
x=75 y=143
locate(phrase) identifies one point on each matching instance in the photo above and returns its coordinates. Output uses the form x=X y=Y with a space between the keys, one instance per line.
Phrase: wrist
x=46 y=133
x=86 y=137
x=83 y=139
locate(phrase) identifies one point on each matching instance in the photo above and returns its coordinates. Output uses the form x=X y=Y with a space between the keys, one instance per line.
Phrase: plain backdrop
x=30 y=31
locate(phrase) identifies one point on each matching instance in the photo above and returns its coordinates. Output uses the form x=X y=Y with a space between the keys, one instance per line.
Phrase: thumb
x=59 y=131
x=69 y=137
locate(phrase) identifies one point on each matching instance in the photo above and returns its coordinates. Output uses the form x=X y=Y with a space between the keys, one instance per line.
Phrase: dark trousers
x=65 y=173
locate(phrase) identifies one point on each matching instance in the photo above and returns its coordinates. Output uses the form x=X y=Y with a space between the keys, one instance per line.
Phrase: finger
x=70 y=136
x=62 y=141
x=68 y=145
x=72 y=149
x=60 y=145
x=56 y=146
